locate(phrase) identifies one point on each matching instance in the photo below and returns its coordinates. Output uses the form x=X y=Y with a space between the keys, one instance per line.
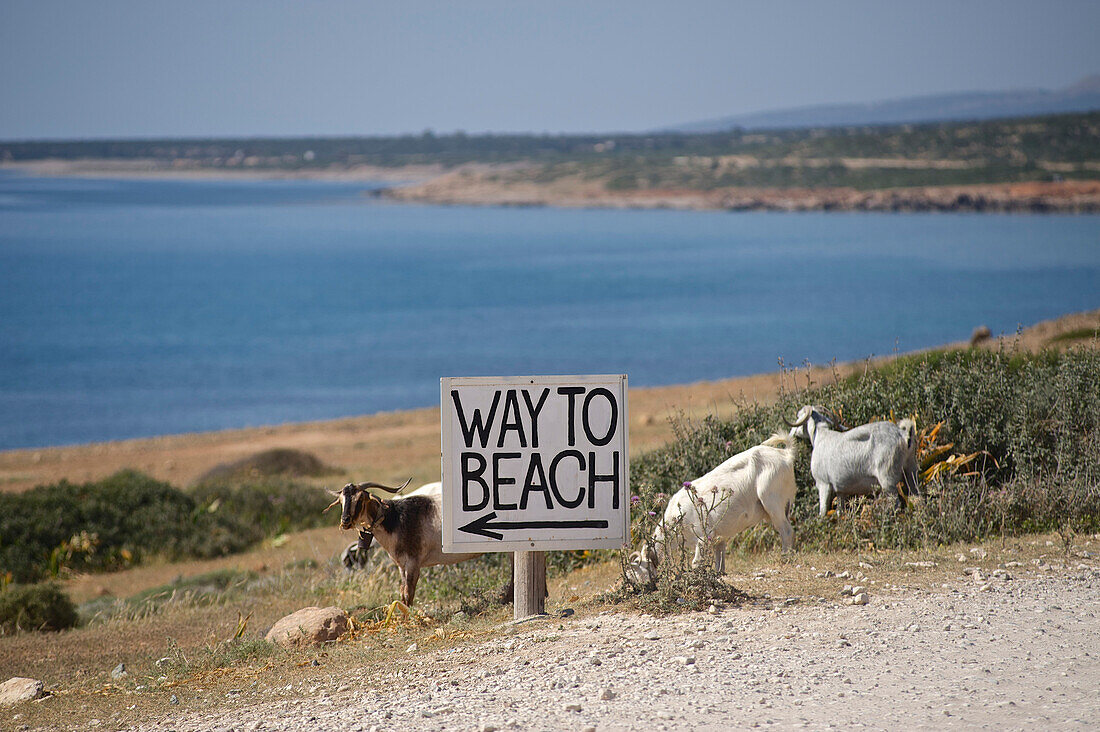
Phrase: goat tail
x=782 y=440
x=909 y=428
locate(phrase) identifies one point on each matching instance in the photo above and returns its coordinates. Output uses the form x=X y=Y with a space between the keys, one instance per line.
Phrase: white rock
x=18 y=689
x=860 y=599
x=574 y=707
x=310 y=625
x=607 y=694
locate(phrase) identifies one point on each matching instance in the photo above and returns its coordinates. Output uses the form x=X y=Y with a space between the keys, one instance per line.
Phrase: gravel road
x=1002 y=652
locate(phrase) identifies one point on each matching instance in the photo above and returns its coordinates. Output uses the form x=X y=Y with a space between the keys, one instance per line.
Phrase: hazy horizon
x=130 y=69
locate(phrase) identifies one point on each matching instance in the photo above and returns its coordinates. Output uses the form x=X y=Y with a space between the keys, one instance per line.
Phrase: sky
x=147 y=68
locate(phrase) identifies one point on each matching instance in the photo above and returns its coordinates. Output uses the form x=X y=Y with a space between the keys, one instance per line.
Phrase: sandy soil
x=393 y=446
x=1007 y=645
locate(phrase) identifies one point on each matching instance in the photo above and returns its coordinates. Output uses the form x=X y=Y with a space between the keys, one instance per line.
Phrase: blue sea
x=135 y=307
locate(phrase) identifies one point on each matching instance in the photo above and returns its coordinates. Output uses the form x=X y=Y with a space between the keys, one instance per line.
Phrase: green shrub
x=1037 y=416
x=283 y=462
x=271 y=506
x=35 y=608
x=109 y=524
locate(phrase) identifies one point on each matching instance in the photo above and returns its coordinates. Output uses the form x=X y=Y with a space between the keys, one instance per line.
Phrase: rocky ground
x=479 y=185
x=1012 y=648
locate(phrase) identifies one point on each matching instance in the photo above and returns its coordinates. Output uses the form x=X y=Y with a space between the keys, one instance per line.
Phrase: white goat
x=856 y=461
x=408 y=527
x=746 y=489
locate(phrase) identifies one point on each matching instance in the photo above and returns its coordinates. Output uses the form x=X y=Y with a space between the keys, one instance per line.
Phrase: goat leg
x=410 y=575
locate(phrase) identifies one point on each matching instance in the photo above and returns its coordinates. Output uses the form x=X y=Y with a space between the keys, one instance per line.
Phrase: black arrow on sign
x=482 y=526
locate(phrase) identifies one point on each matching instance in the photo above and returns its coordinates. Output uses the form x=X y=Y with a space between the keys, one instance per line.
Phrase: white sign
x=534 y=463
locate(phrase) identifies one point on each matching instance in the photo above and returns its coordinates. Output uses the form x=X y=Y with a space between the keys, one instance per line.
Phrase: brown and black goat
x=408 y=527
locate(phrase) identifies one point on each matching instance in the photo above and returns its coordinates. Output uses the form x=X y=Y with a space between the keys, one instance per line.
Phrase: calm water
x=132 y=308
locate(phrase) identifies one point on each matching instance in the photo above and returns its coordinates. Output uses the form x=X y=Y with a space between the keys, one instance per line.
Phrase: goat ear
x=331 y=505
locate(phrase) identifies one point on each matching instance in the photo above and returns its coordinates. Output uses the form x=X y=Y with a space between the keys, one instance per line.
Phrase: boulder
x=309 y=626
x=18 y=689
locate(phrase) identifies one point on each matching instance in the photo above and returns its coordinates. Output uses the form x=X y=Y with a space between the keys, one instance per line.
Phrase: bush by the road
x=1036 y=416
x=35 y=608
x=123 y=519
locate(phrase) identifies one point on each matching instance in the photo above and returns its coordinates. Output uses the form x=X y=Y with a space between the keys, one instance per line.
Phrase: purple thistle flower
x=635 y=499
x=652 y=513
x=687 y=483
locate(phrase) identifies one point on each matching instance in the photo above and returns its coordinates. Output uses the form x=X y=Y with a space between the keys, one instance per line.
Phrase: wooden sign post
x=534 y=463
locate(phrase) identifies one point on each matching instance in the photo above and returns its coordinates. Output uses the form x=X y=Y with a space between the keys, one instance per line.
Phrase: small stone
x=118 y=671
x=173 y=699
x=860 y=599
x=589 y=728
x=412 y=648
x=574 y=707
x=488 y=727
x=652 y=635
x=684 y=660
x=713 y=610
x=607 y=694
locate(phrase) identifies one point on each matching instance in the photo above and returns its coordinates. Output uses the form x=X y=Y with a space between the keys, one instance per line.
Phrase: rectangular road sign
x=532 y=463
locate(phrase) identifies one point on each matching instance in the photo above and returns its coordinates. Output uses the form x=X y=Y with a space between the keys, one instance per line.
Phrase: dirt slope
x=392 y=446
x=1019 y=651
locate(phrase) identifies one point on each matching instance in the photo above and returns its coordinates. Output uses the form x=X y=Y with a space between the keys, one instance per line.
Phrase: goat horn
x=799 y=423
x=365 y=486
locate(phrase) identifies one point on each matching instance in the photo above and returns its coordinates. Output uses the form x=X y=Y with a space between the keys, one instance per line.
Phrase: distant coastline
x=153 y=169
x=481 y=184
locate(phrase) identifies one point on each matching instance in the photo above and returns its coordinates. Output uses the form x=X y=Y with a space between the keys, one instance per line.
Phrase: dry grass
x=202 y=669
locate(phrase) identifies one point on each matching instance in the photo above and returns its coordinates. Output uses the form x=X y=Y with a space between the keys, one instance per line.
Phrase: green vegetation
x=1036 y=417
x=209 y=588
x=272 y=506
x=283 y=462
x=123 y=519
x=35 y=607
x=994 y=151
x=1077 y=334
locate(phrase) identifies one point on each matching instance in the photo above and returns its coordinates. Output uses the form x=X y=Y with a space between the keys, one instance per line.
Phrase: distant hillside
x=1084 y=96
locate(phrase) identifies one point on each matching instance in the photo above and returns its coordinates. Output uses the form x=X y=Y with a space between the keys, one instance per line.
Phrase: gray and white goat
x=856 y=461
x=748 y=488
x=408 y=527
